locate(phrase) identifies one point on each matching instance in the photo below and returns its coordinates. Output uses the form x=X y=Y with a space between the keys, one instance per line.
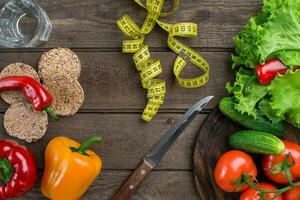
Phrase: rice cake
x=59 y=62
x=23 y=122
x=17 y=69
x=68 y=95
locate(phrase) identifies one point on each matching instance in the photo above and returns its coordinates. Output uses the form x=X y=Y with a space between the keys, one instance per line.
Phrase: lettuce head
x=272 y=33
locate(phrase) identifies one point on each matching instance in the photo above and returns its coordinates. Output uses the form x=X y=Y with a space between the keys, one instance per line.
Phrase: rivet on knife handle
x=133 y=182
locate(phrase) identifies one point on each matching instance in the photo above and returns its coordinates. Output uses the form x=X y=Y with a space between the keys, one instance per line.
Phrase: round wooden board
x=211 y=143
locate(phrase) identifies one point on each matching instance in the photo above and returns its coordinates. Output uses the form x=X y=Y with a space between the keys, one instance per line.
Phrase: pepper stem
x=52 y=114
x=6 y=171
x=81 y=149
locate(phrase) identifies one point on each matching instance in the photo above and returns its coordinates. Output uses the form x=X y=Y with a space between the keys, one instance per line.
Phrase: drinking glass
x=23 y=23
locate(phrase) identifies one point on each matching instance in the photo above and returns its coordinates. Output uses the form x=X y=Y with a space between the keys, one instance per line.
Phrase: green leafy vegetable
x=247 y=92
x=289 y=57
x=266 y=110
x=285 y=101
x=273 y=32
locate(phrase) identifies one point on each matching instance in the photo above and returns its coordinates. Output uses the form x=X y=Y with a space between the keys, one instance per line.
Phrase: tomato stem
x=287 y=174
x=245 y=179
x=283 y=167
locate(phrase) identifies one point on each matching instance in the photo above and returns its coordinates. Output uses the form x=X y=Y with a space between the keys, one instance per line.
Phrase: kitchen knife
x=153 y=157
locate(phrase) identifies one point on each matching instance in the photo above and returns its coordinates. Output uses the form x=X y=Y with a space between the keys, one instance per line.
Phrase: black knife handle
x=133 y=182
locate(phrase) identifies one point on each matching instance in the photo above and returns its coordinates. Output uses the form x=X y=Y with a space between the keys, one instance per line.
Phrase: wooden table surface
x=114 y=98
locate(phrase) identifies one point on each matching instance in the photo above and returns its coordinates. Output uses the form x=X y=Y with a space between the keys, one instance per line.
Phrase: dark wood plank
x=111 y=81
x=92 y=23
x=211 y=144
x=166 y=185
x=126 y=138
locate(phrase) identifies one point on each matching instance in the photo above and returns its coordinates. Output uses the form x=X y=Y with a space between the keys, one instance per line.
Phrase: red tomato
x=251 y=194
x=293 y=151
x=293 y=194
x=230 y=167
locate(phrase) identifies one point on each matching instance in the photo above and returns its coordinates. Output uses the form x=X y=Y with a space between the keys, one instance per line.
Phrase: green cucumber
x=226 y=106
x=256 y=142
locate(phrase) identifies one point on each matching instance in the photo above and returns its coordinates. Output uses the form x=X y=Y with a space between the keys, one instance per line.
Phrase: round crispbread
x=23 y=122
x=59 y=62
x=17 y=69
x=68 y=95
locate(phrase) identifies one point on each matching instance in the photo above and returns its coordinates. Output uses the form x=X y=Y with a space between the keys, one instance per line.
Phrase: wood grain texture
x=211 y=144
x=110 y=80
x=166 y=185
x=126 y=139
x=92 y=23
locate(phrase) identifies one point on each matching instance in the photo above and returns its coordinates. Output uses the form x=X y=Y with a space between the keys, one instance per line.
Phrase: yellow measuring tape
x=150 y=67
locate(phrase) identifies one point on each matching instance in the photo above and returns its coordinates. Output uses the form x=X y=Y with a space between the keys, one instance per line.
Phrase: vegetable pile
x=236 y=171
x=264 y=96
x=266 y=64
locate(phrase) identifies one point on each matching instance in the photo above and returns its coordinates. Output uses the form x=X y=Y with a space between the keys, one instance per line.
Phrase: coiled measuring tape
x=149 y=67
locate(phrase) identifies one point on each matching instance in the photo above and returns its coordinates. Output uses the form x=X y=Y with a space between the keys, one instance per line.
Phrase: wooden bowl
x=210 y=145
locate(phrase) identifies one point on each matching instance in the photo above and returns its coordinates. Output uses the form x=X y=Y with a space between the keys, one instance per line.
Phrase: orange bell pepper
x=69 y=168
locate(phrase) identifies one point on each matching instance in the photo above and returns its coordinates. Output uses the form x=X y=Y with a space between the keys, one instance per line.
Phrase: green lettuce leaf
x=266 y=110
x=289 y=57
x=276 y=28
x=270 y=5
x=247 y=92
x=285 y=97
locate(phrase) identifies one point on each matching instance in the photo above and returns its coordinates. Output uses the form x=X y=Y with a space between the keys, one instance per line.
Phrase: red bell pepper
x=18 y=169
x=35 y=92
x=268 y=71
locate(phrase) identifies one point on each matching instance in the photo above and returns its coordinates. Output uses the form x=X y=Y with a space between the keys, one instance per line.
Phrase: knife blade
x=153 y=157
